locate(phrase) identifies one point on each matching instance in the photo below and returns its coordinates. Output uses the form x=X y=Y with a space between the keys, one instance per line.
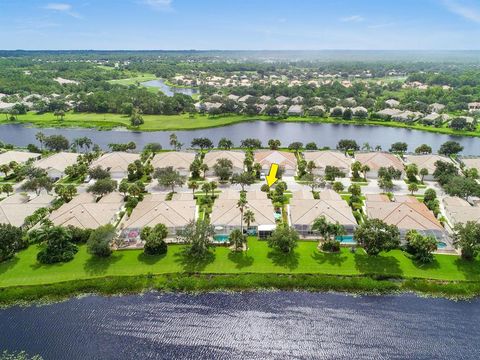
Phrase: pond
x=259 y=325
x=322 y=134
x=170 y=90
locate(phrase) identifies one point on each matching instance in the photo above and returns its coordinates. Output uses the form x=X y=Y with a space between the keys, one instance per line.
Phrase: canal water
x=269 y=325
x=321 y=134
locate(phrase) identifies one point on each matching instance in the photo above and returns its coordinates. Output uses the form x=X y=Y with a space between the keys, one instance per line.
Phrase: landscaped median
x=109 y=121
x=130 y=271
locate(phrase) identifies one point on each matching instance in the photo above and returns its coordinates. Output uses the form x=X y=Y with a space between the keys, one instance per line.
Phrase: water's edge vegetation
x=194 y=283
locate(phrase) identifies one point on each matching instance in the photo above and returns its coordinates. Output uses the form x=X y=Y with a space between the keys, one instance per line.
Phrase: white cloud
x=467 y=10
x=63 y=8
x=353 y=18
x=162 y=5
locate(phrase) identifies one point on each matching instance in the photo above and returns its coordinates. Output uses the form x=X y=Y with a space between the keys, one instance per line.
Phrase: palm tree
x=365 y=169
x=238 y=239
x=173 y=141
x=194 y=186
x=249 y=217
x=204 y=169
x=423 y=173
x=241 y=203
x=213 y=186
x=366 y=146
x=40 y=137
x=378 y=148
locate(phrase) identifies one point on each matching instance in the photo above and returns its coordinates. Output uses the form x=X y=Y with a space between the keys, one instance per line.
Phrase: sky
x=240 y=24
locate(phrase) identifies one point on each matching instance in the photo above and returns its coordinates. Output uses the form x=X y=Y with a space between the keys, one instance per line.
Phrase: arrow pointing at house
x=271 y=178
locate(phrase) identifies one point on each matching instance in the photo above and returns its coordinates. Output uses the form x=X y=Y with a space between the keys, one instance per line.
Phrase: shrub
x=79 y=235
x=10 y=241
x=155 y=239
x=283 y=239
x=57 y=245
x=421 y=246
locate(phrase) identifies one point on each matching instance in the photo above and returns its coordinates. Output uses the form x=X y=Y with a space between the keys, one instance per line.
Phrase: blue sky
x=240 y=24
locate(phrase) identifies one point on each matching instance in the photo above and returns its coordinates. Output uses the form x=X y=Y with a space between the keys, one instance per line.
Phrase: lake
x=170 y=90
x=322 y=134
x=258 y=325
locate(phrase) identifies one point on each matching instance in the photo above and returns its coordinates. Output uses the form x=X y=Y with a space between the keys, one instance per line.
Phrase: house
x=337 y=109
x=459 y=211
x=376 y=160
x=56 y=164
x=322 y=159
x=17 y=156
x=406 y=212
x=286 y=160
x=392 y=103
x=17 y=207
x=85 y=212
x=359 y=110
x=303 y=210
x=175 y=214
x=295 y=110
x=432 y=117
x=236 y=157
x=233 y=97
x=116 y=163
x=407 y=116
x=179 y=160
x=426 y=161
x=297 y=100
x=245 y=98
x=226 y=216
x=436 y=107
x=472 y=163
x=388 y=113
x=281 y=99
x=265 y=98
x=473 y=107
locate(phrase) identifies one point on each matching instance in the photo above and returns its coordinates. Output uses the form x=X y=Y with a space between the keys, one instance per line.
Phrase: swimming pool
x=441 y=245
x=346 y=239
x=221 y=238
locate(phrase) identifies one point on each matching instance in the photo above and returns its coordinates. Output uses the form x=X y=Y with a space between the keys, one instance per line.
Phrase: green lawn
x=24 y=269
x=185 y=122
x=134 y=80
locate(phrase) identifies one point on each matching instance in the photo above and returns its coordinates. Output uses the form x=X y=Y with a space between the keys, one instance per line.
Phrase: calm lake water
x=170 y=90
x=277 y=325
x=322 y=134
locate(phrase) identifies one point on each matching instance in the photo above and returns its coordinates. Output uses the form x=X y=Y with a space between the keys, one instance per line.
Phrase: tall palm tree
x=194 y=186
x=173 y=141
x=40 y=137
x=241 y=203
x=249 y=217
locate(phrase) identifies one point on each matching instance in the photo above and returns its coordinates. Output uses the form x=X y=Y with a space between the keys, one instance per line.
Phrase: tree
x=10 y=241
x=206 y=188
x=153 y=147
x=390 y=171
x=251 y=143
x=365 y=169
x=37 y=184
x=56 y=143
x=100 y=240
x=449 y=148
x=225 y=143
x=223 y=169
x=123 y=187
x=168 y=177
x=399 y=147
x=7 y=189
x=356 y=168
x=136 y=118
x=347 y=145
x=295 y=146
x=102 y=187
x=423 y=149
x=311 y=146
x=274 y=144
x=314 y=181
x=412 y=187
x=467 y=238
x=423 y=173
x=98 y=173
x=333 y=172
x=327 y=230
x=56 y=245
x=385 y=182
x=355 y=190
x=283 y=239
x=338 y=186
x=462 y=187
x=40 y=137
x=244 y=179
x=155 y=241
x=444 y=171
x=421 y=246
x=66 y=192
x=237 y=238
x=204 y=168
x=202 y=143
x=375 y=236
x=197 y=235
x=411 y=170
x=173 y=141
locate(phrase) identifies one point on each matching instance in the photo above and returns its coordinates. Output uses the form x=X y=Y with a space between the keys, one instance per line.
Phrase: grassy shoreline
x=185 y=122
x=198 y=283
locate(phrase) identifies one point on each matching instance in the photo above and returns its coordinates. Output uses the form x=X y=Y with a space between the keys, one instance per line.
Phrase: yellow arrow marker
x=272 y=175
